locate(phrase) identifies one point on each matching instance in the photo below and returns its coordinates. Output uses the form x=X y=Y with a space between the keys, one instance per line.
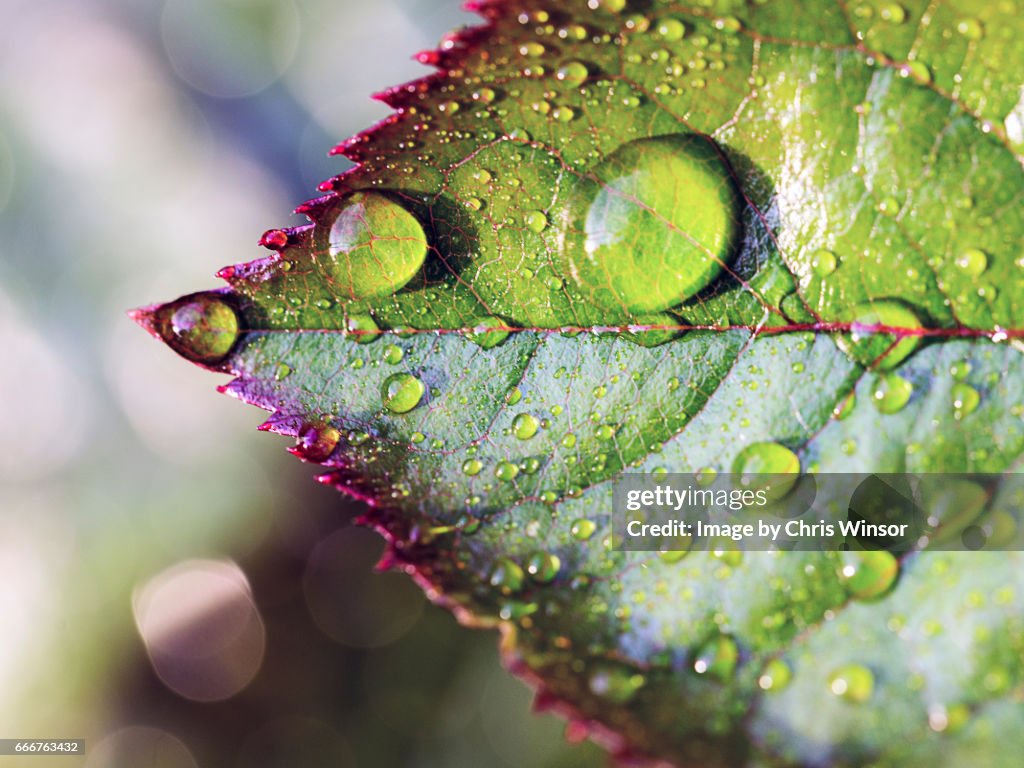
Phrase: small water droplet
x=506 y=470
x=543 y=567
x=866 y=343
x=563 y=114
x=507 y=576
x=573 y=72
x=891 y=392
x=965 y=400
x=670 y=29
x=973 y=261
x=888 y=206
x=759 y=459
x=489 y=332
x=315 y=442
x=868 y=574
x=486 y=95
x=775 y=676
x=916 y=70
x=472 y=467
x=970 y=28
x=844 y=407
x=274 y=239
x=717 y=658
x=615 y=684
x=960 y=370
x=361 y=329
x=728 y=24
x=852 y=682
x=706 y=476
x=525 y=426
x=894 y=13
x=824 y=263
x=536 y=221
x=582 y=529
x=393 y=354
x=402 y=392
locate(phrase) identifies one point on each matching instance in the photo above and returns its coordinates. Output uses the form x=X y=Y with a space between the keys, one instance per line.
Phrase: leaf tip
x=429 y=57
x=201 y=327
x=145 y=318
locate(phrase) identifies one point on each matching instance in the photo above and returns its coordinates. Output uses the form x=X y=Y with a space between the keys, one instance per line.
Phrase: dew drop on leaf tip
x=201 y=327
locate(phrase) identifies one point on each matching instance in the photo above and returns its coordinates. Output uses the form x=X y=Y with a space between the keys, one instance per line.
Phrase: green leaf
x=616 y=237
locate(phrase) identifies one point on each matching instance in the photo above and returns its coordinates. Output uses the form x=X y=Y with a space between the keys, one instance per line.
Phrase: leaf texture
x=615 y=237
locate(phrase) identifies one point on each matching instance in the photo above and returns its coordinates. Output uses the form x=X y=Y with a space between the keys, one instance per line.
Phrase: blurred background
x=174 y=588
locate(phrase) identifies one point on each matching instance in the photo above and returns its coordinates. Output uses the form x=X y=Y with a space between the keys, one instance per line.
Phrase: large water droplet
x=372 y=247
x=868 y=574
x=891 y=393
x=866 y=344
x=652 y=225
x=201 y=327
x=402 y=392
x=852 y=682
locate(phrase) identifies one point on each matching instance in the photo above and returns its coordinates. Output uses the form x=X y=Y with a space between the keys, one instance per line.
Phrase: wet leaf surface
x=606 y=239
